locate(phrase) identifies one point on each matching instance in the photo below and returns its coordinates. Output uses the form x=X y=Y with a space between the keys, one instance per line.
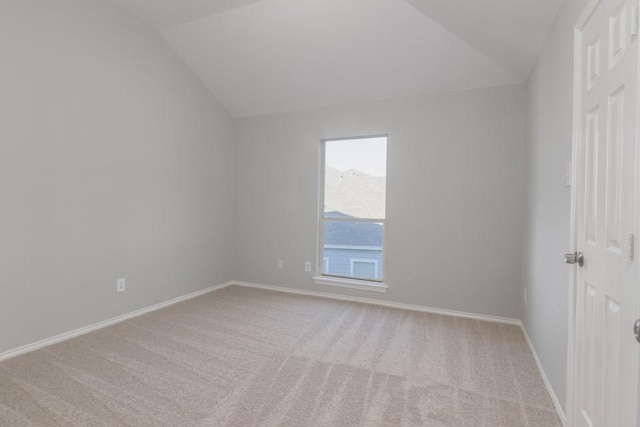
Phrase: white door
x=604 y=389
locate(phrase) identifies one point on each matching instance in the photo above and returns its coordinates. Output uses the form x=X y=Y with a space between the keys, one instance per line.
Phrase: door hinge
x=632 y=246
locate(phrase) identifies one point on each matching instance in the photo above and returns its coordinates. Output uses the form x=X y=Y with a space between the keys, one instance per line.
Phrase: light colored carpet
x=246 y=357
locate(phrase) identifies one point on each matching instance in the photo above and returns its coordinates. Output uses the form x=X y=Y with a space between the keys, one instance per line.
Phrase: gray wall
x=455 y=184
x=114 y=162
x=548 y=151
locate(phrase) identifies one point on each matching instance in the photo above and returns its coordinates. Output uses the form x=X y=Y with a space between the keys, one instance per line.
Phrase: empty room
x=319 y=213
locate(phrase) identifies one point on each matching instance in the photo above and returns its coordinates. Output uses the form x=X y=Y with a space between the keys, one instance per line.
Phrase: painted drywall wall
x=547 y=202
x=454 y=196
x=114 y=162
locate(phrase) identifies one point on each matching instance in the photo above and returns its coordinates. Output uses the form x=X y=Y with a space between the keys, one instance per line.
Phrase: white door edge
x=577 y=59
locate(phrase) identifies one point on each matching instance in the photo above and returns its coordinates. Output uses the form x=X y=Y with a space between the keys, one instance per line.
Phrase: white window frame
x=377 y=285
x=325 y=264
x=375 y=263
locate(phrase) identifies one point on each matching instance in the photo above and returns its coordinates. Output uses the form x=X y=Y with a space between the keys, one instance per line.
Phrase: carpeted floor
x=247 y=357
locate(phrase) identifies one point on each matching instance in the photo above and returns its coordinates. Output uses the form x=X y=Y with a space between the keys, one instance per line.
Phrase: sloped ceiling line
x=511 y=32
x=271 y=56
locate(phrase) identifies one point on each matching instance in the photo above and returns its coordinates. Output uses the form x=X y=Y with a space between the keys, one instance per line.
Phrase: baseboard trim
x=99 y=325
x=402 y=306
x=411 y=307
x=547 y=384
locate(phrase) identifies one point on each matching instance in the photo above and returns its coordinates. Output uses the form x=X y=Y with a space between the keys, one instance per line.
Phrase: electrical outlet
x=307 y=267
x=280 y=263
x=120 y=285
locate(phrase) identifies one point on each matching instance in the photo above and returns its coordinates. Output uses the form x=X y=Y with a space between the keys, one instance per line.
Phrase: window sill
x=341 y=282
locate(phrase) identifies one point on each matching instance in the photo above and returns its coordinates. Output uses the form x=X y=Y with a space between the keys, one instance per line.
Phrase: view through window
x=353 y=215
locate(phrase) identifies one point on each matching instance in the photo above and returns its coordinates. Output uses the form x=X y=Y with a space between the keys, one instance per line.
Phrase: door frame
x=573 y=232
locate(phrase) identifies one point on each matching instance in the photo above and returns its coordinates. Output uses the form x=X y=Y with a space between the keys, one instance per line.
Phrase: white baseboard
x=411 y=307
x=547 y=384
x=85 y=330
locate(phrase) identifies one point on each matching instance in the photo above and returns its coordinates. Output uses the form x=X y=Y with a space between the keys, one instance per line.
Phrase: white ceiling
x=165 y=14
x=269 y=56
x=511 y=32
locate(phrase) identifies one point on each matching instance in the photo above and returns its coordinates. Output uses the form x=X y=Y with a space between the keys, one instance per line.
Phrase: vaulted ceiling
x=269 y=56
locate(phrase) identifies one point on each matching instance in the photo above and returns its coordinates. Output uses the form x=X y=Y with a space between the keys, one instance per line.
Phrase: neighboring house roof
x=351 y=233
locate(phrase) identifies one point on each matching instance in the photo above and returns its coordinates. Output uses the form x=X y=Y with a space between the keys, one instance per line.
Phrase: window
x=353 y=211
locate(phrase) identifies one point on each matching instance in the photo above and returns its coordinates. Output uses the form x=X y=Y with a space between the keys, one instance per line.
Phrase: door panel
x=606 y=293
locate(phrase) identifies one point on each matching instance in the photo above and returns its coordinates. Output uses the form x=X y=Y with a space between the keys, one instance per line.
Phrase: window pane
x=353 y=249
x=365 y=269
x=355 y=183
